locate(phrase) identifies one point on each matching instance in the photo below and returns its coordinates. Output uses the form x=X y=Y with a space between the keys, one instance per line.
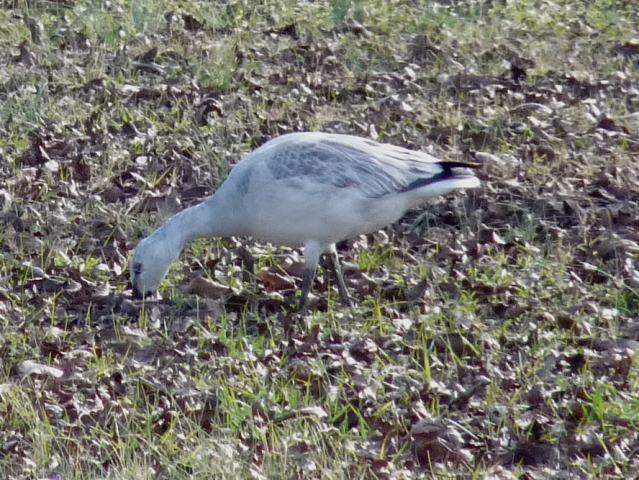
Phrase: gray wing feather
x=342 y=161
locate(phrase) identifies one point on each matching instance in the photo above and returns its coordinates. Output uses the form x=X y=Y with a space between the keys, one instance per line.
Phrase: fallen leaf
x=208 y=288
x=275 y=281
x=29 y=367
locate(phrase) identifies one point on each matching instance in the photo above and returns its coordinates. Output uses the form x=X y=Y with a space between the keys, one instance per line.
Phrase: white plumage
x=304 y=189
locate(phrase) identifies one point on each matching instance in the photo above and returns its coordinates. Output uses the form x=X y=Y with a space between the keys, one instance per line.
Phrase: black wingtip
x=445 y=174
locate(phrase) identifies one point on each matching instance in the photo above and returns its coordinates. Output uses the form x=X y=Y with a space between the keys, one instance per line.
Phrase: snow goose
x=308 y=190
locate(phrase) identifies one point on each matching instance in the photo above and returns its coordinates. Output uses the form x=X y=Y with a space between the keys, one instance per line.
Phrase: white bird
x=308 y=190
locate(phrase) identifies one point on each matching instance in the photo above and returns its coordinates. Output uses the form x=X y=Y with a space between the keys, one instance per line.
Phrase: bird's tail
x=453 y=175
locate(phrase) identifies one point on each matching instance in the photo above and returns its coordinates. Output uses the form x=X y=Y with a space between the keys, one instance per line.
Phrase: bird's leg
x=312 y=251
x=248 y=264
x=339 y=277
x=248 y=276
x=307 y=283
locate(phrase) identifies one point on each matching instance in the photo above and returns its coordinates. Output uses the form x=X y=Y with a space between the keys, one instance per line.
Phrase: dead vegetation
x=496 y=330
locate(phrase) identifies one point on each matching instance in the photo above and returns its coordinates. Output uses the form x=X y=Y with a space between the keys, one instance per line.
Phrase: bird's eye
x=137 y=268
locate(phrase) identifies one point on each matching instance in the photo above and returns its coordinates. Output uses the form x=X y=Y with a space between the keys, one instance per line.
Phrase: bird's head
x=151 y=260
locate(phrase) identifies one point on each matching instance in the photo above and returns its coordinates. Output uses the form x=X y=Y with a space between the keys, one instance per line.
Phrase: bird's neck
x=212 y=218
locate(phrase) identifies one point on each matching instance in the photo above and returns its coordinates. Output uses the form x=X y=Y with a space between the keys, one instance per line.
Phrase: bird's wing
x=344 y=161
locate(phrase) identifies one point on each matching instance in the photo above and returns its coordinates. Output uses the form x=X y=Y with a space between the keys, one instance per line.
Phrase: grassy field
x=496 y=331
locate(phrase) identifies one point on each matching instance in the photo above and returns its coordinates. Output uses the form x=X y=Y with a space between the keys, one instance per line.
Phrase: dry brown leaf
x=208 y=288
x=273 y=280
x=433 y=442
x=293 y=265
x=29 y=367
